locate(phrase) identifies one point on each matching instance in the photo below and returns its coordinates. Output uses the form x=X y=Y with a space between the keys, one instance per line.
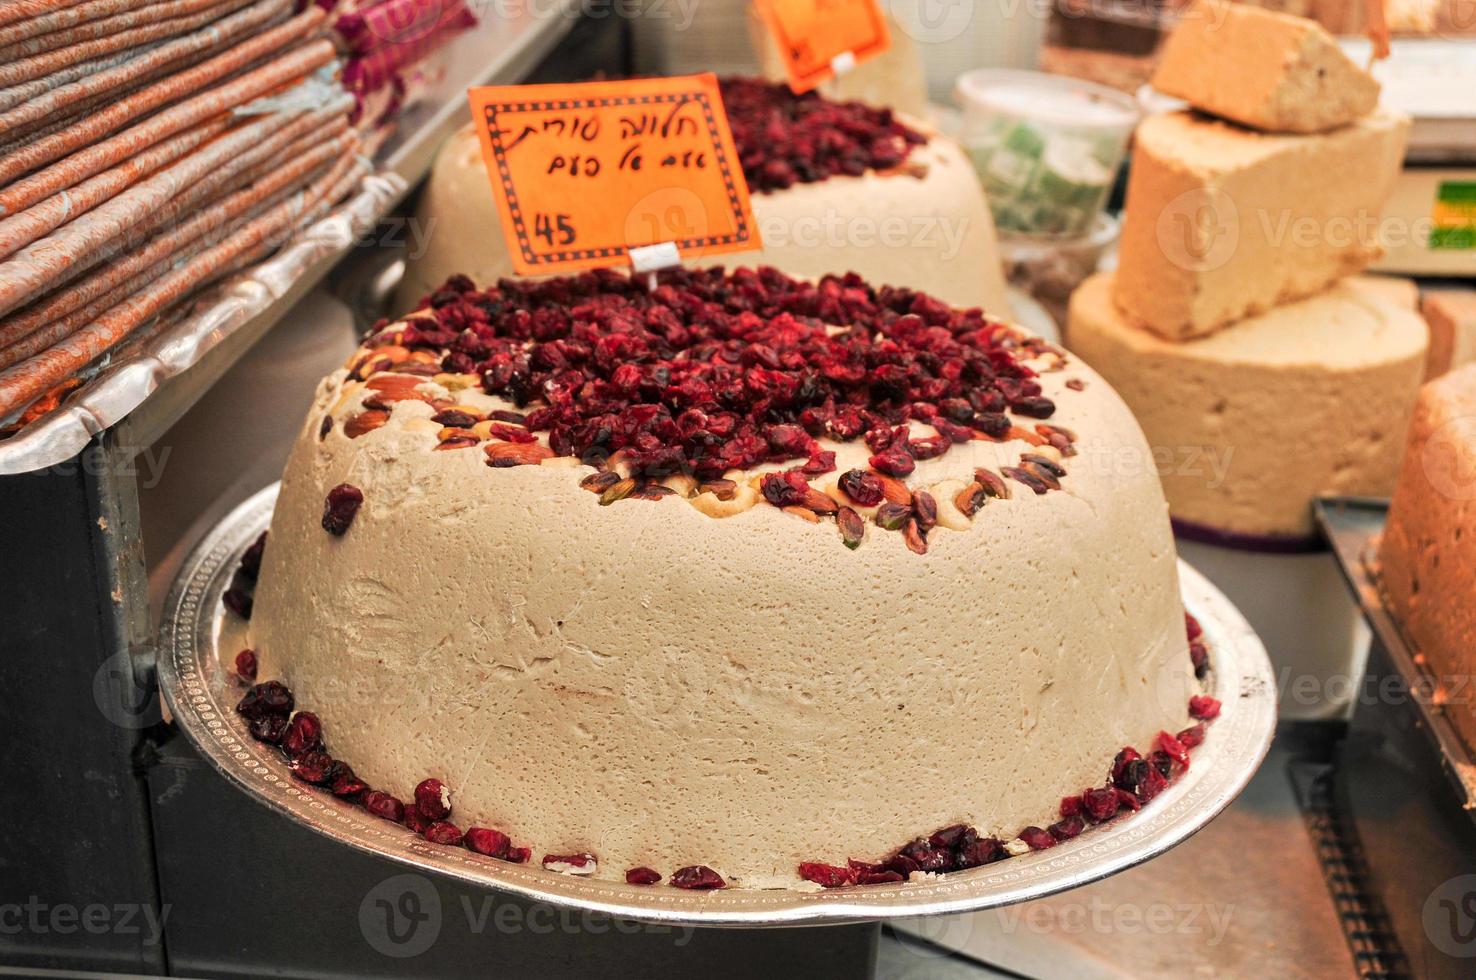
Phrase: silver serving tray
x=201 y=695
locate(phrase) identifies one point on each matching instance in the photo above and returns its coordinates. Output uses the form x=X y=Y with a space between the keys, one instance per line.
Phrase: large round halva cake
x=836 y=187
x=740 y=580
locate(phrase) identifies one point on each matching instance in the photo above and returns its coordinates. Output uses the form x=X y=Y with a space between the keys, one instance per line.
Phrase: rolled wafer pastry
x=25 y=69
x=35 y=268
x=163 y=250
x=91 y=157
x=232 y=32
x=21 y=384
x=20 y=230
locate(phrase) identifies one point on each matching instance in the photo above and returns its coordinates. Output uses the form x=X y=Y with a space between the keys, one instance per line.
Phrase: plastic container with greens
x=1046 y=147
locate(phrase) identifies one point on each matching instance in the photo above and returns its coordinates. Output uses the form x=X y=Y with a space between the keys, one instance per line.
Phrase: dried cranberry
x=1174 y=748
x=483 y=840
x=1100 y=804
x=347 y=785
x=1152 y=783
x=929 y=856
x=238 y=601
x=985 y=850
x=862 y=487
x=571 y=860
x=383 y=805
x=1038 y=839
x=1121 y=761
x=950 y=836
x=313 y=767
x=1132 y=774
x=442 y=832
x=304 y=734
x=1072 y=806
x=250 y=565
x=339 y=508
x=1128 y=799
x=416 y=820
x=642 y=876
x=246 y=665
x=1192 y=627
x=783 y=139
x=433 y=799
x=267 y=698
x=1067 y=828
x=269 y=728
x=1191 y=736
x=1162 y=762
x=893 y=462
x=1199 y=657
x=784 y=489
x=826 y=875
x=903 y=864
x=883 y=877
x=1203 y=707
x=1036 y=406
x=518 y=855
x=698 y=877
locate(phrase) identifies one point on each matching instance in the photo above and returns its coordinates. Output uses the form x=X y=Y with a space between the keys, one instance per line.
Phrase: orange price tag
x=583 y=173
x=814 y=36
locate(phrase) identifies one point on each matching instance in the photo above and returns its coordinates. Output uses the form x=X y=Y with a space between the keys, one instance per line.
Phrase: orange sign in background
x=811 y=34
x=585 y=172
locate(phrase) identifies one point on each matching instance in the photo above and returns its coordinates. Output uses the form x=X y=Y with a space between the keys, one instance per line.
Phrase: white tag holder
x=843 y=63
x=651 y=259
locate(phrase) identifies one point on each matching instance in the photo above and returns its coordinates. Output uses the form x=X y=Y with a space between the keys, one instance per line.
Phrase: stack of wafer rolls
x=145 y=153
x=389 y=48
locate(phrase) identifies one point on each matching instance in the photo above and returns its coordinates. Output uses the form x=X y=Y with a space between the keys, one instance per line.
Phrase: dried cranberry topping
x=312 y=767
x=416 y=820
x=250 y=565
x=1191 y=736
x=827 y=875
x=1199 y=657
x=442 y=832
x=985 y=850
x=862 y=487
x=928 y=856
x=1038 y=839
x=433 y=799
x=1100 y=803
x=1174 y=748
x=698 y=877
x=267 y=698
x=1202 y=707
x=1068 y=827
x=339 y=508
x=518 y=855
x=1120 y=763
x=785 y=489
x=269 y=728
x=883 y=877
x=238 y=601
x=246 y=665
x=383 y=805
x=347 y=785
x=483 y=840
x=304 y=734
x=715 y=371
x=784 y=139
x=642 y=876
